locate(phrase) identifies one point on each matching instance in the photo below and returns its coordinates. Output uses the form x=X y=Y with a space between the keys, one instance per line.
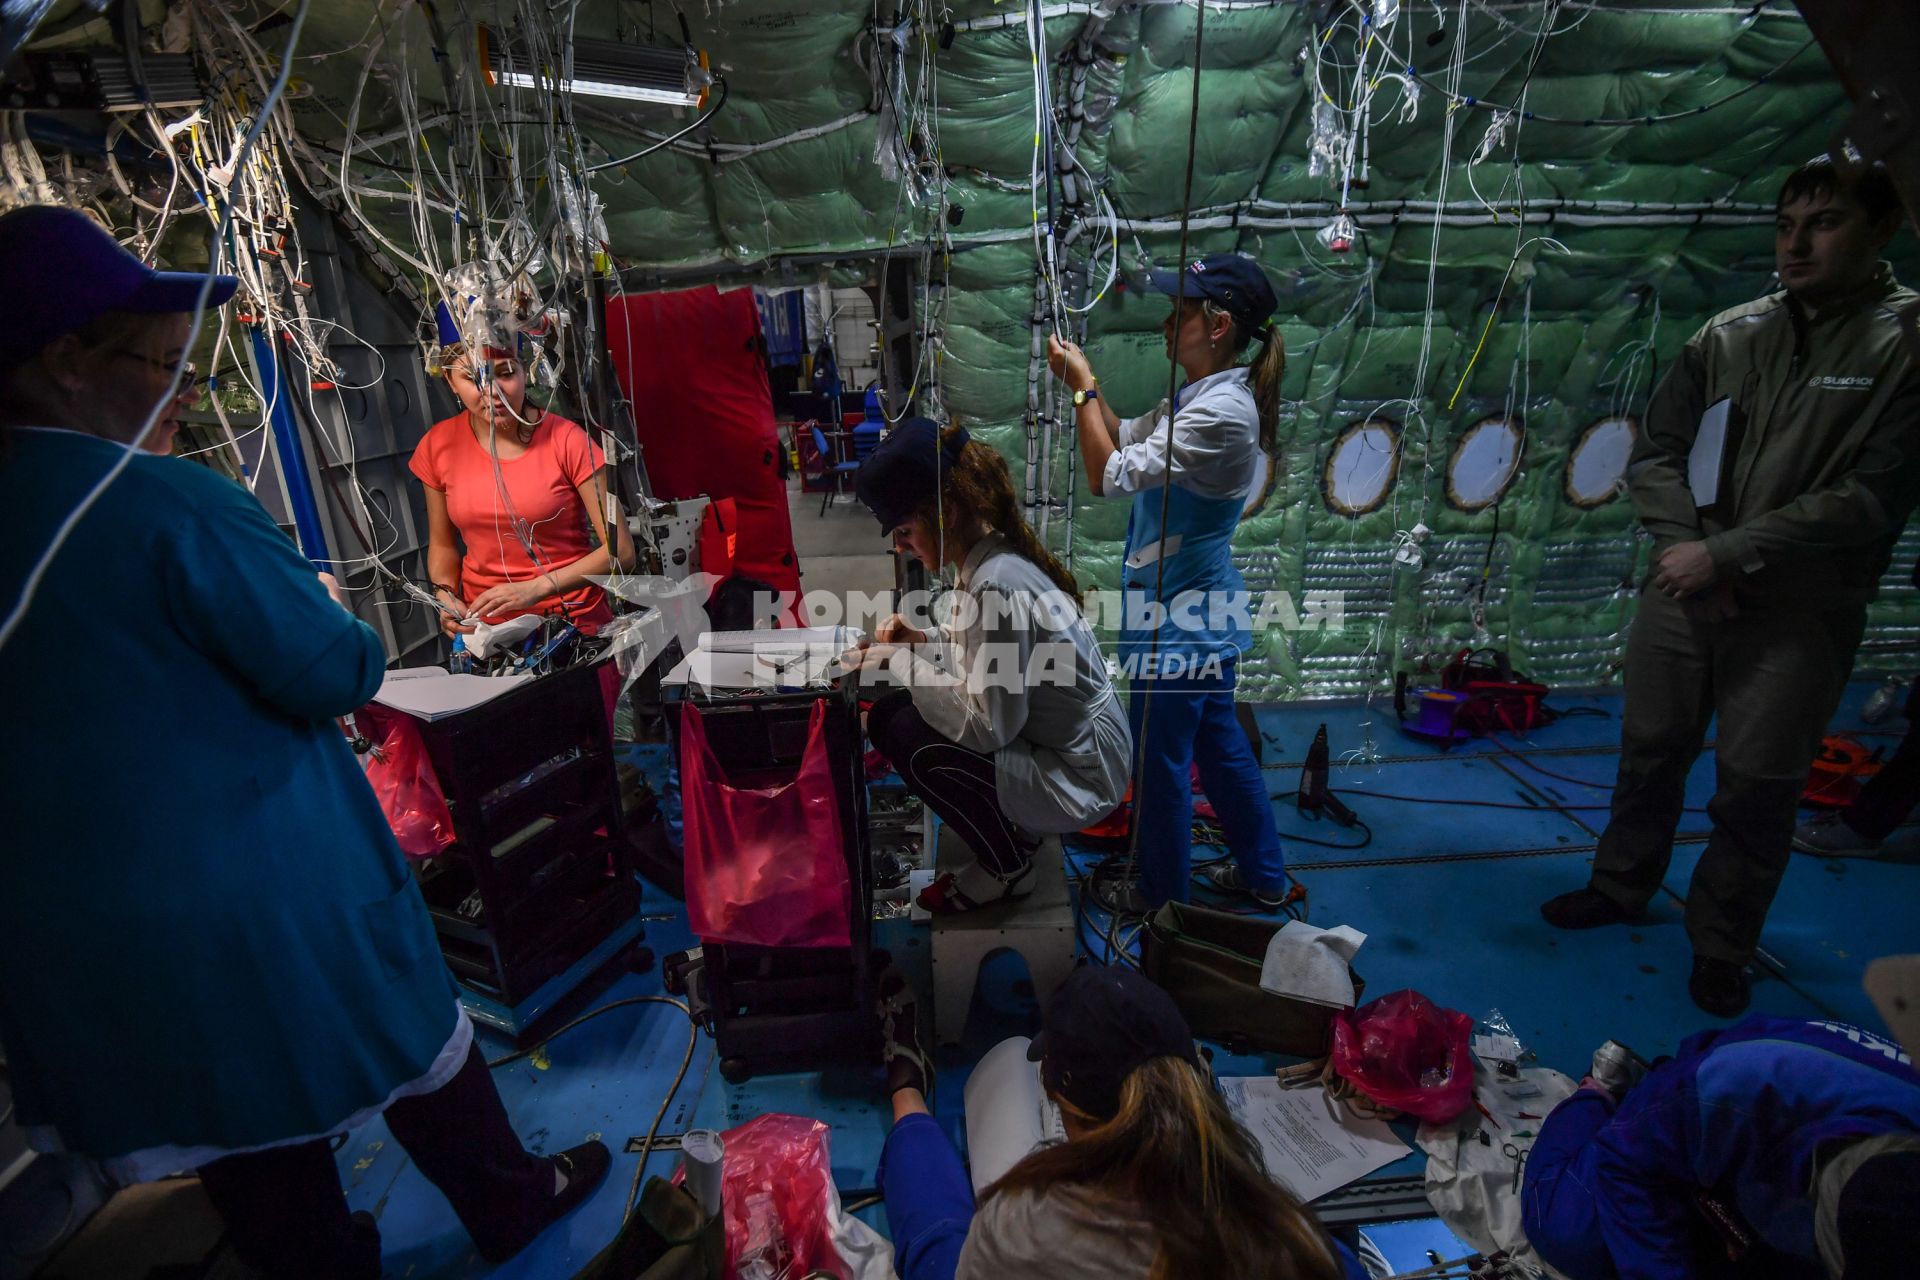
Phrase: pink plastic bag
x=765 y=866
x=1408 y=1053
x=778 y=1199
x=404 y=780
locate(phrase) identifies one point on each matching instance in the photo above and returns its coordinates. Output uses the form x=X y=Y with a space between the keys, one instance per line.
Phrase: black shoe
x=1583 y=909
x=586 y=1167
x=1720 y=987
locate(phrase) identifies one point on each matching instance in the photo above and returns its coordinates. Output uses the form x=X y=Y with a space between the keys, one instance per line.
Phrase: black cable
x=1173 y=409
x=588 y=1016
x=711 y=112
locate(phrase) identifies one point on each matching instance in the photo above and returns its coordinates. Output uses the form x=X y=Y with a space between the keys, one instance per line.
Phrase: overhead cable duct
x=674 y=77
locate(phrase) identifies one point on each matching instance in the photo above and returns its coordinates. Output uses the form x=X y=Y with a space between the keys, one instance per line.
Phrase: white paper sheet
x=1311 y=1144
x=1008 y=1112
x=430 y=694
x=1309 y=963
x=1709 y=447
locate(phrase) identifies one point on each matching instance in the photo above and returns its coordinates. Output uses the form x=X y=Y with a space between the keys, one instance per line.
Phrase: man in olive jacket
x=1766 y=552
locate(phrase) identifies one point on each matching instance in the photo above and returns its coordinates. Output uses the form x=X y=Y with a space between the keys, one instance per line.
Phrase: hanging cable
x=1166 y=479
x=215 y=252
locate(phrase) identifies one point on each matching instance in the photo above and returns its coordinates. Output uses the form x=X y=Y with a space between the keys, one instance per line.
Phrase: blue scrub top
x=207 y=933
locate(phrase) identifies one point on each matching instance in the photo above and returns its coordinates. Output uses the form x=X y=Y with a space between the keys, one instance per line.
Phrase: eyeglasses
x=191 y=378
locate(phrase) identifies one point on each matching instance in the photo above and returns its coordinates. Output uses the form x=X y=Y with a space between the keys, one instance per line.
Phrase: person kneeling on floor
x=1775 y=1147
x=1022 y=738
x=1156 y=1179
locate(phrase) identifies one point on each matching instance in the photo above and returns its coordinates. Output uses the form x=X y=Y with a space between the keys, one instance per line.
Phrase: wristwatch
x=1091 y=393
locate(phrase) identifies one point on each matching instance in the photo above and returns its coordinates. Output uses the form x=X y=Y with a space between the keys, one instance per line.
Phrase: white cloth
x=1023 y=680
x=1310 y=963
x=1470 y=1185
x=1216 y=441
x=154 y=1163
x=487 y=636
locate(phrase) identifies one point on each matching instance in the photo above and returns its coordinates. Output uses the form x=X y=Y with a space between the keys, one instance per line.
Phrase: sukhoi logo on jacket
x=1840 y=382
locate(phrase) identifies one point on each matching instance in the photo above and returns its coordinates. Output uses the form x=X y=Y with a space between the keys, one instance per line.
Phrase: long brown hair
x=1174 y=1154
x=979 y=483
x=1264 y=371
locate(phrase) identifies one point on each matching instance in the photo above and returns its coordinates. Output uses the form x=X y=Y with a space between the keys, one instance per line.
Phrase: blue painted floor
x=1465 y=847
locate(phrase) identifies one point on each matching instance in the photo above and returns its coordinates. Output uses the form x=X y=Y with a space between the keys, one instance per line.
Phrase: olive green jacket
x=1823 y=456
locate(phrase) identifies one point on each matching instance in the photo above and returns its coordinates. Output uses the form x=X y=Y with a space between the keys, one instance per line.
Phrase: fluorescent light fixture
x=597 y=89
x=603 y=69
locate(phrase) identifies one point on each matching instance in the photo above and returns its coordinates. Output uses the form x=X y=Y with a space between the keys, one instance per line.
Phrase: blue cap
x=60 y=270
x=1103 y=1022
x=1236 y=284
x=901 y=474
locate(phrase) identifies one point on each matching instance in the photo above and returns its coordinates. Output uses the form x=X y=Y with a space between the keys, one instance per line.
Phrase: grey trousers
x=1773 y=677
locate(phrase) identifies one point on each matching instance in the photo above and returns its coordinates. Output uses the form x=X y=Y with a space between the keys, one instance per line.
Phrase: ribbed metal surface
x=605 y=62
x=169 y=81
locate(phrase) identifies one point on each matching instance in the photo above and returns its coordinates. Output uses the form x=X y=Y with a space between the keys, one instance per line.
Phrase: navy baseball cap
x=64 y=271
x=900 y=475
x=1104 y=1021
x=1236 y=284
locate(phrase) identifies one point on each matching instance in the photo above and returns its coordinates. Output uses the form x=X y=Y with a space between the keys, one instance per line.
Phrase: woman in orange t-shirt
x=528 y=495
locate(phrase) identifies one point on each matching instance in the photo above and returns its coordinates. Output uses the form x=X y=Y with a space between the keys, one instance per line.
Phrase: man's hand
x=1069 y=364
x=896 y=631
x=332 y=585
x=1683 y=569
x=512 y=597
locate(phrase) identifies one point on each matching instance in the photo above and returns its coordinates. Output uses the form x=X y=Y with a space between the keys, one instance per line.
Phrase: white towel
x=1309 y=963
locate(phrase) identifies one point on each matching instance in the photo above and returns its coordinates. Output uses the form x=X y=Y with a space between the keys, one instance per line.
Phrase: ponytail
x=1264 y=372
x=977 y=480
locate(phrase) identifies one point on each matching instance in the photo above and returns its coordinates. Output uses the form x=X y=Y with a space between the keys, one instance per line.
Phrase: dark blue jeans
x=1191 y=722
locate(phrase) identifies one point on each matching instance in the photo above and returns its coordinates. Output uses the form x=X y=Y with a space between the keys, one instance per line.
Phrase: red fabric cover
x=690 y=363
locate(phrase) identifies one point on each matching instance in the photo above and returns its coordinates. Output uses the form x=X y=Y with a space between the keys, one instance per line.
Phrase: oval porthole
x=1597 y=467
x=1361 y=466
x=1484 y=463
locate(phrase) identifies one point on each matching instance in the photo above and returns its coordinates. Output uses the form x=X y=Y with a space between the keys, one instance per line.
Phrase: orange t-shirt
x=538 y=493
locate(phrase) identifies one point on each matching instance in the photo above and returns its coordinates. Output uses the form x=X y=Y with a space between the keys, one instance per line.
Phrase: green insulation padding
x=1577 y=248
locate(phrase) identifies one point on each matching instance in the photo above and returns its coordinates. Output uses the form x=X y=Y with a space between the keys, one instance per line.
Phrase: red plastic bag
x=765 y=865
x=1408 y=1053
x=778 y=1199
x=404 y=780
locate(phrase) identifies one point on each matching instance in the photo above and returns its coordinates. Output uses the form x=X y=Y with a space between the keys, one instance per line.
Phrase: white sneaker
x=1827 y=835
x=1225 y=876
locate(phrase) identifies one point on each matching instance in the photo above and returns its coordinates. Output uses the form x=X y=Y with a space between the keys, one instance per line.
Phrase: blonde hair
x=1174 y=1155
x=1265 y=370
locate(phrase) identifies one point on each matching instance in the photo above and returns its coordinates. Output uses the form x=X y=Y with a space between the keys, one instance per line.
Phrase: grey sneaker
x=1225 y=876
x=1616 y=1068
x=1827 y=835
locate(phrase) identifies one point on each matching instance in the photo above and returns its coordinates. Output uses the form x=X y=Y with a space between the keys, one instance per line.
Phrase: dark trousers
x=956 y=783
x=1891 y=794
x=287 y=1215
x=1191 y=722
x=1773 y=678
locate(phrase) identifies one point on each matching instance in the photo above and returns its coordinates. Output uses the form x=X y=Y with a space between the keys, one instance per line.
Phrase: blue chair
x=833 y=471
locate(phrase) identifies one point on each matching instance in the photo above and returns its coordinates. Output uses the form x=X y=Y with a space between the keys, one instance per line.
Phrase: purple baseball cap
x=60 y=270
